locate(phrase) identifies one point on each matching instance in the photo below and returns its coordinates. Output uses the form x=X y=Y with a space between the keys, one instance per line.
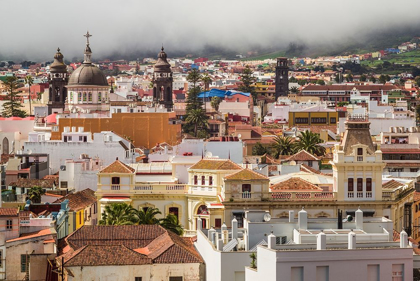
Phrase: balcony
x=143 y=188
x=303 y=196
x=204 y=190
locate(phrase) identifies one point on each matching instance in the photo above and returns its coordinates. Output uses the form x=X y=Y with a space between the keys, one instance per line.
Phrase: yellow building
x=313 y=116
x=144 y=129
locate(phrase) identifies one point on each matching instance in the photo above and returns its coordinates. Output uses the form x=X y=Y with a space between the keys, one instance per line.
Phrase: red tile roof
x=118 y=167
x=139 y=244
x=392 y=184
x=43 y=232
x=294 y=184
x=246 y=174
x=216 y=164
x=79 y=200
x=302 y=155
x=9 y=212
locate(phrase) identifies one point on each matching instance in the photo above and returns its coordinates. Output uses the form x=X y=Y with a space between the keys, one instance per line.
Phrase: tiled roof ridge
x=182 y=243
x=295 y=178
x=300 y=152
x=246 y=170
x=128 y=168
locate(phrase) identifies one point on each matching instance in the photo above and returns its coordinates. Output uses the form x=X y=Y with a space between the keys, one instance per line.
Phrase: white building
x=80 y=174
x=73 y=144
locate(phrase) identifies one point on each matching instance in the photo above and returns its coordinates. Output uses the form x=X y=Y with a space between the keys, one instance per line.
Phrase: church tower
x=162 y=82
x=282 y=77
x=357 y=164
x=57 y=80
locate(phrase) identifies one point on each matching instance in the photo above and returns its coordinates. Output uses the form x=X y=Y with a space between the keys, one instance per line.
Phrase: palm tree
x=148 y=216
x=171 y=223
x=215 y=102
x=198 y=118
x=29 y=80
x=283 y=146
x=35 y=194
x=310 y=141
x=294 y=90
x=206 y=80
x=119 y=214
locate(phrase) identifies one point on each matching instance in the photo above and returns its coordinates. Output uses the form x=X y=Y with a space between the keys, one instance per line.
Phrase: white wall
x=378 y=125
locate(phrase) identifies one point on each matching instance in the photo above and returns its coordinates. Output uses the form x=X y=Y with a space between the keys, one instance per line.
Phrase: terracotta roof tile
x=416 y=196
x=294 y=184
x=9 y=212
x=302 y=155
x=79 y=200
x=392 y=184
x=28 y=183
x=215 y=164
x=43 y=232
x=118 y=167
x=246 y=174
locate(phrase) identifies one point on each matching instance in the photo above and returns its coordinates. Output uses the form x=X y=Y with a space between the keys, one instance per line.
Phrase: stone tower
x=162 y=82
x=57 y=80
x=282 y=77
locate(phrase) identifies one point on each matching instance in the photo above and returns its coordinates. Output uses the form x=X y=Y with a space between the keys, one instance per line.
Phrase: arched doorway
x=5 y=146
x=204 y=214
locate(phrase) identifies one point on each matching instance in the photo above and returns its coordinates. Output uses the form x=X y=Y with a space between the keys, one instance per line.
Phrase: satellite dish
x=239 y=136
x=29 y=151
x=209 y=154
x=349 y=218
x=293 y=163
x=267 y=217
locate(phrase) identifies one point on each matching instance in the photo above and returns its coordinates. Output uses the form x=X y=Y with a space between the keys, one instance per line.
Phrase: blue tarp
x=220 y=93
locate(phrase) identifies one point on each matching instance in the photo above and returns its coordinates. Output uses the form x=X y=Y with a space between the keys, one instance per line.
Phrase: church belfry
x=162 y=81
x=57 y=80
x=282 y=77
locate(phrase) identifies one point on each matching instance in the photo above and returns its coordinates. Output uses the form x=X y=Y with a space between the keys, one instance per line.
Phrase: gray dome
x=88 y=74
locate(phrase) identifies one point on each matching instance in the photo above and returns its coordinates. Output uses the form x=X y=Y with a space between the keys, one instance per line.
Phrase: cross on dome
x=87 y=35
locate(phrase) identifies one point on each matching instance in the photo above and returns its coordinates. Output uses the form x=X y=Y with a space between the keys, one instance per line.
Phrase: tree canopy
x=12 y=107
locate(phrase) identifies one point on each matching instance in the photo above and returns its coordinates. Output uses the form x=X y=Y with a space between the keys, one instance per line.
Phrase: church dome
x=162 y=64
x=58 y=66
x=88 y=74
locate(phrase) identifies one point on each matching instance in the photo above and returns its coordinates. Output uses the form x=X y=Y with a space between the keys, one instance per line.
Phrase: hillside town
x=193 y=169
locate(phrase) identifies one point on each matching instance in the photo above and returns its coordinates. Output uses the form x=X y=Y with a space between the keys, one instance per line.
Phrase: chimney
x=212 y=232
x=403 y=239
x=234 y=228
x=352 y=240
x=321 y=241
x=199 y=224
x=219 y=242
x=271 y=241
x=291 y=216
x=303 y=219
x=359 y=219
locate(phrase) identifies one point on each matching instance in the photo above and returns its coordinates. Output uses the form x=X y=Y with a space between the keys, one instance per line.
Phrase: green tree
x=310 y=141
x=148 y=216
x=320 y=82
x=302 y=82
x=349 y=77
x=198 y=118
x=293 y=80
x=417 y=80
x=259 y=149
x=283 y=146
x=12 y=107
x=215 y=102
x=253 y=257
x=337 y=78
x=363 y=78
x=294 y=90
x=119 y=214
x=171 y=223
x=206 y=80
x=29 y=80
x=382 y=79
x=35 y=194
x=248 y=81
x=372 y=79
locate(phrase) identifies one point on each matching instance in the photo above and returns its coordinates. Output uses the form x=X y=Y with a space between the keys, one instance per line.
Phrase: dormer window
x=359 y=154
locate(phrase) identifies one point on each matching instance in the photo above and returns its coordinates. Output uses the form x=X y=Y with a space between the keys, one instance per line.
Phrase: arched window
x=71 y=96
x=202 y=210
x=80 y=96
x=174 y=211
x=154 y=93
x=84 y=96
x=90 y=96
x=5 y=146
x=99 y=97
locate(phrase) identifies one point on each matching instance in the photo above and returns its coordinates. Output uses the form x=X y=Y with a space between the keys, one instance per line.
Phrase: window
x=397 y=272
x=115 y=180
x=94 y=208
x=318 y=120
x=333 y=120
x=359 y=184
x=137 y=279
x=80 y=138
x=350 y=185
x=202 y=210
x=85 y=215
x=80 y=97
x=301 y=120
x=174 y=211
x=369 y=185
x=360 y=151
x=218 y=223
x=310 y=163
x=9 y=225
x=414 y=170
x=24 y=262
x=84 y=96
x=203 y=180
x=99 y=100
x=80 y=217
x=195 y=180
x=373 y=272
x=322 y=273
x=90 y=97
x=246 y=188
x=1 y=258
x=297 y=273
x=210 y=180
x=175 y=278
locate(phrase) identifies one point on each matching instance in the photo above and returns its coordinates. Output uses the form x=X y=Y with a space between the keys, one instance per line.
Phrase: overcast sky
x=34 y=29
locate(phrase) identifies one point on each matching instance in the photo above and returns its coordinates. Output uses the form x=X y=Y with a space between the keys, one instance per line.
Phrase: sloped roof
x=392 y=184
x=142 y=244
x=9 y=212
x=28 y=183
x=294 y=184
x=215 y=164
x=246 y=174
x=79 y=200
x=118 y=167
x=302 y=155
x=40 y=233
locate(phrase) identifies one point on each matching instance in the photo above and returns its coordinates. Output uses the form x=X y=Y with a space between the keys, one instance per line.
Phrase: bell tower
x=282 y=77
x=57 y=80
x=162 y=81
